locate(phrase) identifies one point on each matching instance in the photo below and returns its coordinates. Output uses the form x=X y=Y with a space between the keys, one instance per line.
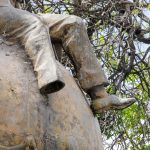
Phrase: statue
x=31 y=121
x=32 y=31
x=41 y=121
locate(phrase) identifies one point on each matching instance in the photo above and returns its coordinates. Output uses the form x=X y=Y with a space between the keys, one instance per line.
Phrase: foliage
x=120 y=34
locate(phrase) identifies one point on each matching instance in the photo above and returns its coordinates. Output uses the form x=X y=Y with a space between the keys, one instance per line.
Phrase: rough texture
x=61 y=121
x=35 y=32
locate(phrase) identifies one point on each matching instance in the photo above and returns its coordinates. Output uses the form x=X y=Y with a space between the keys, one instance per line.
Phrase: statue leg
x=72 y=32
x=19 y=25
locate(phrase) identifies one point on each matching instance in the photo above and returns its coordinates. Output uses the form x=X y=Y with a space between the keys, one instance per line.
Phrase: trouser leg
x=34 y=35
x=39 y=48
x=72 y=32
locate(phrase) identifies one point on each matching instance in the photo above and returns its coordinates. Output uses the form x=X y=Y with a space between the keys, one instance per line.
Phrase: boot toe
x=122 y=103
x=111 y=102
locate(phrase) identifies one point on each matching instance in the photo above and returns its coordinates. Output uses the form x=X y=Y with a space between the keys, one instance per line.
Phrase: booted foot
x=111 y=102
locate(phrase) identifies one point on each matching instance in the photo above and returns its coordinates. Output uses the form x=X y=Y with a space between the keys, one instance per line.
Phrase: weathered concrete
x=61 y=121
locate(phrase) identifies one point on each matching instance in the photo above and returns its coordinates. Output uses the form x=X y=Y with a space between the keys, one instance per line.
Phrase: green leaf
x=135 y=11
x=148 y=6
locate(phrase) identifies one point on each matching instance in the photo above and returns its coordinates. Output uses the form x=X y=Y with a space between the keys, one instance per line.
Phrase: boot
x=102 y=101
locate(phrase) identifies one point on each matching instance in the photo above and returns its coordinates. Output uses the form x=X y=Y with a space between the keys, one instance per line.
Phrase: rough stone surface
x=60 y=121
